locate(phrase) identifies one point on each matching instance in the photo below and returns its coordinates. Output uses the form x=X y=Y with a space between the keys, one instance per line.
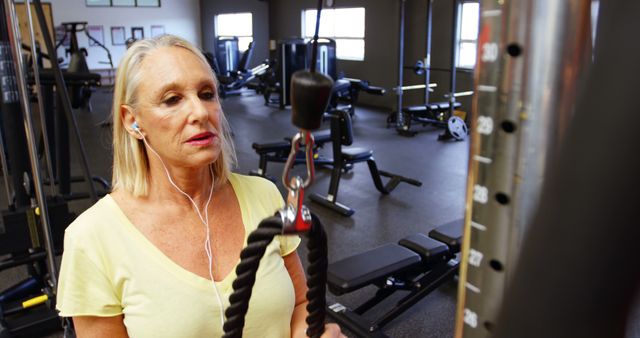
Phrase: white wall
x=179 y=17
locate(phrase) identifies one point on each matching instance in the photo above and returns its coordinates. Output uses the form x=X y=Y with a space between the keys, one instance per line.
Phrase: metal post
x=63 y=161
x=427 y=58
x=400 y=124
x=6 y=94
x=36 y=76
x=14 y=37
x=455 y=32
x=5 y=167
x=526 y=81
x=12 y=119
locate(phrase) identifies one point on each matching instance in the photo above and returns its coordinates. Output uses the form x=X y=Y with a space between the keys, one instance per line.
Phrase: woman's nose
x=198 y=110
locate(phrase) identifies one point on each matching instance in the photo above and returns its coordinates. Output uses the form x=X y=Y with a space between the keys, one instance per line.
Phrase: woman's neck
x=195 y=182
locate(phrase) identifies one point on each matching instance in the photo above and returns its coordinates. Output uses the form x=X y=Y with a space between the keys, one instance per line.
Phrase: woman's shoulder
x=256 y=193
x=94 y=223
x=252 y=184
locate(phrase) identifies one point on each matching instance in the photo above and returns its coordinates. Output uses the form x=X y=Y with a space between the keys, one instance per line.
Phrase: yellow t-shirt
x=110 y=268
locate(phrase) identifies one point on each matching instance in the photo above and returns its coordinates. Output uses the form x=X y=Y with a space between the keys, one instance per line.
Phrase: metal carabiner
x=296 y=217
x=304 y=137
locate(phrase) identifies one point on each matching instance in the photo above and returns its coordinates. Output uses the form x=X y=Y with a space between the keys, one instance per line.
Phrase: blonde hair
x=130 y=161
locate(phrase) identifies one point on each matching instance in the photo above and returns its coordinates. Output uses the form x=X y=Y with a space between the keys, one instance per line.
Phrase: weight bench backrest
x=243 y=65
x=341 y=127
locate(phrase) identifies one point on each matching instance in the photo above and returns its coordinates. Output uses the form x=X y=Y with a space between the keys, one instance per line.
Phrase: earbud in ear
x=134 y=126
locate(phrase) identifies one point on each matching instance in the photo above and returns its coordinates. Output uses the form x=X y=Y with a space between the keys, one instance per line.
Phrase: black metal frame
x=420 y=288
x=344 y=99
x=419 y=279
x=279 y=151
x=342 y=134
x=23 y=237
x=434 y=113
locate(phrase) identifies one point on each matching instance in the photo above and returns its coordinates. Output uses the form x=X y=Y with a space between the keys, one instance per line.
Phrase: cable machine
x=526 y=87
x=440 y=114
x=32 y=228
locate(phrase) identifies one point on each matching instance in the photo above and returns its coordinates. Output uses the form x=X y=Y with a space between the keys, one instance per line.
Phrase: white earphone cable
x=205 y=220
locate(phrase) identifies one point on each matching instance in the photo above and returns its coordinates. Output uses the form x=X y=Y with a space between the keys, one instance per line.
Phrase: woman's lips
x=202 y=139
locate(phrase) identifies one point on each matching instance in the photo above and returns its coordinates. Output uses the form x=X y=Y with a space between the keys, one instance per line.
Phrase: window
x=122 y=3
x=345 y=25
x=236 y=24
x=468 y=40
x=595 y=8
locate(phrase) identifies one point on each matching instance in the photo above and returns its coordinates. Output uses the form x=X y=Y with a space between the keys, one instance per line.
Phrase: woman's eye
x=208 y=96
x=171 y=100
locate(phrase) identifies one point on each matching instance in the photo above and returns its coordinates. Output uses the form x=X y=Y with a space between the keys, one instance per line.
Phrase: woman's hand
x=332 y=330
x=298 y=324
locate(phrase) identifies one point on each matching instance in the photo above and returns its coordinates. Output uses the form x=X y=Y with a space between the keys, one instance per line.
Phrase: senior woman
x=157 y=256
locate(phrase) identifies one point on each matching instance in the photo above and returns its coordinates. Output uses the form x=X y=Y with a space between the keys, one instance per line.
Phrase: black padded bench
x=434 y=113
x=418 y=264
x=369 y=267
x=431 y=106
x=319 y=137
x=279 y=152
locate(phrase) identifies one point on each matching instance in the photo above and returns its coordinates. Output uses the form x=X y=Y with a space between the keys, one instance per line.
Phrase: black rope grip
x=317 y=278
x=246 y=270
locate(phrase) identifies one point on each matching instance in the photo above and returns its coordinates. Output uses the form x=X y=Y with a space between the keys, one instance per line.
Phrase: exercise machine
x=592 y=207
x=54 y=143
x=294 y=55
x=417 y=265
x=344 y=95
x=440 y=114
x=232 y=67
x=525 y=170
x=34 y=222
x=278 y=152
x=309 y=103
x=344 y=158
x=433 y=113
x=81 y=93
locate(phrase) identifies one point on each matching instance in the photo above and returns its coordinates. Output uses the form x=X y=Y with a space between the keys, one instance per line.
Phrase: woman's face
x=178 y=108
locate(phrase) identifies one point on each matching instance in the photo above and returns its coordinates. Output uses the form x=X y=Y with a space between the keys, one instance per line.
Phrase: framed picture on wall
x=118 y=36
x=157 y=30
x=96 y=32
x=148 y=3
x=98 y=3
x=124 y=3
x=137 y=33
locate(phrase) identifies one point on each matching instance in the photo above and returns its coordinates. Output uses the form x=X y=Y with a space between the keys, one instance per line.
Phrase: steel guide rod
x=455 y=39
x=6 y=92
x=400 y=124
x=531 y=56
x=3 y=163
x=14 y=38
x=36 y=76
x=427 y=57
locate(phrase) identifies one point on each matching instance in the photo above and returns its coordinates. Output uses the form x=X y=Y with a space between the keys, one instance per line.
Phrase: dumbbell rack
x=531 y=55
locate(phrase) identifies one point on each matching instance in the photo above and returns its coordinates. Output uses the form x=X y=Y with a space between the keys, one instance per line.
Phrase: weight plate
x=457 y=128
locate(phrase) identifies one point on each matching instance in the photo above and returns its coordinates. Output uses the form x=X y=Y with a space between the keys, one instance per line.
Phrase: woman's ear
x=128 y=119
